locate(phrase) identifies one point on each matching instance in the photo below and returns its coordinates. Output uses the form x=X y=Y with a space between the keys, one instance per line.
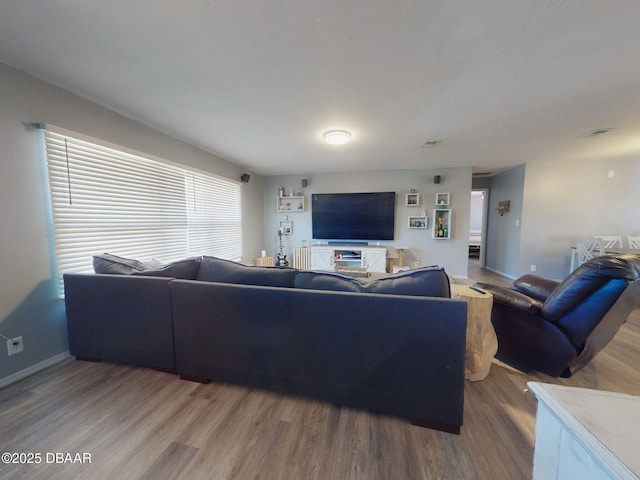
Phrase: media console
x=330 y=257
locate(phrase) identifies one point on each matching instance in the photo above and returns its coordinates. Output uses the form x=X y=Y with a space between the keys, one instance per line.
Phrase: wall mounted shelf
x=290 y=204
x=442 y=199
x=441 y=224
x=417 y=222
x=412 y=200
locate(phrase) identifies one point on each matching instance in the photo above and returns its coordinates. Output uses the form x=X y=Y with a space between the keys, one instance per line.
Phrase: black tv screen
x=353 y=216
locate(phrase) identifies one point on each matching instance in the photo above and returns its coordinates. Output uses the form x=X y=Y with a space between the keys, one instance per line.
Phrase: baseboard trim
x=500 y=273
x=33 y=369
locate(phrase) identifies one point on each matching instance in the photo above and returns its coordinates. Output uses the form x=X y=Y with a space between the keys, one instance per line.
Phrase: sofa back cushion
x=425 y=282
x=326 y=281
x=588 y=278
x=578 y=323
x=214 y=269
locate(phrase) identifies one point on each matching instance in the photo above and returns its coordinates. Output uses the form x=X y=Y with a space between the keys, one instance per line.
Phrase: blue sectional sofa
x=394 y=346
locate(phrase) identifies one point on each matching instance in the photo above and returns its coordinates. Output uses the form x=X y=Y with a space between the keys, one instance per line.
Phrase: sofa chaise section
x=392 y=354
x=120 y=318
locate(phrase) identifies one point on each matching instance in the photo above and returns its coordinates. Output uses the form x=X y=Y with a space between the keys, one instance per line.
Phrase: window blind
x=106 y=200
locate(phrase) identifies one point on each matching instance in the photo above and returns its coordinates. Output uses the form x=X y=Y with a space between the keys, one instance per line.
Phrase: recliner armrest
x=513 y=298
x=535 y=286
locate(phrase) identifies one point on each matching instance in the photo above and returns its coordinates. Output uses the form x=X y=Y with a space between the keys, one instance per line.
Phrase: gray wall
x=28 y=303
x=503 y=231
x=566 y=200
x=555 y=203
x=451 y=254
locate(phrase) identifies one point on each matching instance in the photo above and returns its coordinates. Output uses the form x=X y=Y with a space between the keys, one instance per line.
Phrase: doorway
x=478 y=226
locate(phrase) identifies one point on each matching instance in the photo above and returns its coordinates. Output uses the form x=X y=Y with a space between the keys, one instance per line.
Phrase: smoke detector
x=596 y=133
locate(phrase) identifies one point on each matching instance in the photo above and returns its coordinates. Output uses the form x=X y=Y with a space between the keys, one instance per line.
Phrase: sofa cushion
x=326 y=281
x=214 y=269
x=425 y=282
x=186 y=269
x=108 y=263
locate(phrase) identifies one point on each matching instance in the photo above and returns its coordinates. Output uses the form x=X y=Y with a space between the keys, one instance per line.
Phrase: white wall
x=451 y=254
x=28 y=303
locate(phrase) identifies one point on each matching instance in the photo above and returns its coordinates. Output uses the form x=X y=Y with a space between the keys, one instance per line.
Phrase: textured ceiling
x=499 y=83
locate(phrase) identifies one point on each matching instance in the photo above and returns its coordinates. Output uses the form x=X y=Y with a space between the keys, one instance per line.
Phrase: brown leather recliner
x=558 y=327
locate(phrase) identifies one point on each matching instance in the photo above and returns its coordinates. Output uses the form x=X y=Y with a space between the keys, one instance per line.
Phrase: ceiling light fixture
x=336 y=137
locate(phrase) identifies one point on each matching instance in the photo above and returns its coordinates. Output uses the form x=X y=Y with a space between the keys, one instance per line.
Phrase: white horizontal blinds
x=213 y=216
x=105 y=200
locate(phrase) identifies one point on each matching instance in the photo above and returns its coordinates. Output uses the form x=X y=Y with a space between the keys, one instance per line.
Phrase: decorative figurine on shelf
x=281 y=259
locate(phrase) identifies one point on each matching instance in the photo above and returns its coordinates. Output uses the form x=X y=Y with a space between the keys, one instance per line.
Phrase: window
x=106 y=200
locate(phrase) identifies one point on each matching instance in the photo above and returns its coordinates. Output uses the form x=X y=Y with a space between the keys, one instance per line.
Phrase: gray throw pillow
x=186 y=269
x=113 y=264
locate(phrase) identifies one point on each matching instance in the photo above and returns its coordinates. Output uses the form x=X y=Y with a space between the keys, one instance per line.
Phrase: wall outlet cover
x=14 y=346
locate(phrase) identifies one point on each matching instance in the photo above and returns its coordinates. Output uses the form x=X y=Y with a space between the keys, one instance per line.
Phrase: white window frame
x=106 y=198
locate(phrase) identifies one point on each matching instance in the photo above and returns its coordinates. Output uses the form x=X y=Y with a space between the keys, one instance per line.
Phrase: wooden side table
x=264 y=262
x=482 y=343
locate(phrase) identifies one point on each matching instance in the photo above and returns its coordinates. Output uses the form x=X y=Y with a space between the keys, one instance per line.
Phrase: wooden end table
x=482 y=343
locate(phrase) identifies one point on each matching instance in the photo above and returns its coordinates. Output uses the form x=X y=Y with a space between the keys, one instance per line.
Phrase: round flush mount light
x=336 y=137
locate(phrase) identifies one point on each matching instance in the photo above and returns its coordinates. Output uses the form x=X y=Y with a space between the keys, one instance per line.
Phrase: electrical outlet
x=15 y=345
x=533 y=268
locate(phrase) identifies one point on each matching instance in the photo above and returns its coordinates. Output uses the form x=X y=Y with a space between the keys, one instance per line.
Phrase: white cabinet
x=322 y=258
x=330 y=257
x=585 y=434
x=375 y=259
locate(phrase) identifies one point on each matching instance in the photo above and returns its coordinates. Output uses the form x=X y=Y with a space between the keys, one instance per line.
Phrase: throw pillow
x=186 y=269
x=214 y=269
x=107 y=263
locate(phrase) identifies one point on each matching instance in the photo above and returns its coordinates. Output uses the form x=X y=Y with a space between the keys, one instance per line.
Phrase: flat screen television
x=353 y=216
